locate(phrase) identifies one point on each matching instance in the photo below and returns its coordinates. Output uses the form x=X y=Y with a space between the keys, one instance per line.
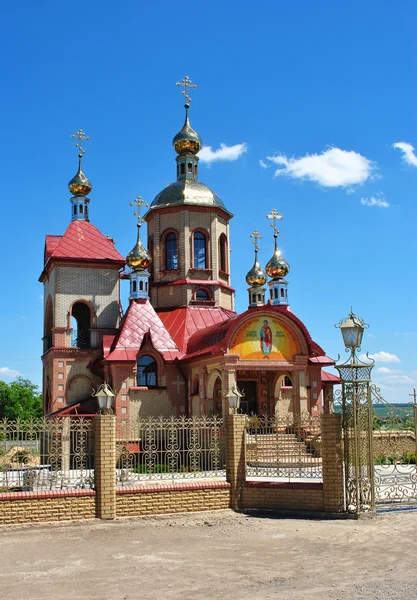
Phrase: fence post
x=236 y=457
x=105 y=465
x=332 y=459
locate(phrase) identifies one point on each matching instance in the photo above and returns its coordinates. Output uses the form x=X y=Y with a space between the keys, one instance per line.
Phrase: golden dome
x=277 y=266
x=79 y=184
x=187 y=140
x=138 y=258
x=256 y=276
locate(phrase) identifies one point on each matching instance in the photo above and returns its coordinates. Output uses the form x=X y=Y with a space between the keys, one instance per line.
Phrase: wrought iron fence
x=46 y=454
x=171 y=448
x=286 y=447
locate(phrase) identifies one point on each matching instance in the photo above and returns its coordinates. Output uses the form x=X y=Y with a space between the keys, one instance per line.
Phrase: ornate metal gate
x=395 y=449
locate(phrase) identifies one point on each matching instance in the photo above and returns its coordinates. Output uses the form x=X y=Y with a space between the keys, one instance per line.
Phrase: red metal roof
x=329 y=378
x=322 y=360
x=83 y=241
x=140 y=320
x=183 y=322
x=214 y=340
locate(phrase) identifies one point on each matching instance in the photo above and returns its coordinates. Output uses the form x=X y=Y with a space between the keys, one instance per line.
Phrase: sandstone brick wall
x=283 y=496
x=98 y=286
x=148 y=403
x=41 y=507
x=152 y=499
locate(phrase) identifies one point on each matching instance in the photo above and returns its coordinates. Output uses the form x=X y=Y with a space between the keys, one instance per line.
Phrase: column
x=332 y=460
x=236 y=457
x=105 y=465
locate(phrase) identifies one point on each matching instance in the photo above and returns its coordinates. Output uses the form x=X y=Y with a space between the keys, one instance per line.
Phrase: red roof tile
x=140 y=320
x=183 y=322
x=83 y=241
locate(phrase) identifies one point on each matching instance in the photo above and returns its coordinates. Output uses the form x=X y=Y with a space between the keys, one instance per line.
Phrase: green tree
x=20 y=399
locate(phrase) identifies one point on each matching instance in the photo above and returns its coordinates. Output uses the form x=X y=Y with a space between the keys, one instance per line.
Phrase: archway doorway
x=248 y=404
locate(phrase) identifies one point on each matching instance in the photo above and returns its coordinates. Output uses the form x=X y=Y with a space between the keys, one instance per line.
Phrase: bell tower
x=81 y=299
x=188 y=232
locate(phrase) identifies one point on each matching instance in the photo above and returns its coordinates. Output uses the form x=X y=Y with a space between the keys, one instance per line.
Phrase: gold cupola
x=138 y=258
x=80 y=185
x=277 y=266
x=256 y=276
x=187 y=140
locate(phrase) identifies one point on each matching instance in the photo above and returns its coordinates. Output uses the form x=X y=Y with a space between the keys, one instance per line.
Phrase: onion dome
x=187 y=140
x=79 y=184
x=277 y=266
x=256 y=276
x=138 y=258
x=187 y=191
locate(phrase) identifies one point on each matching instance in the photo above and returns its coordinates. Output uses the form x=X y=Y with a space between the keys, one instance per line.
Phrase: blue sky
x=323 y=89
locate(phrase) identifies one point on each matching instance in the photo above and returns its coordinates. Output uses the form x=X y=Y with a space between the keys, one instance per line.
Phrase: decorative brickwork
x=331 y=451
x=105 y=465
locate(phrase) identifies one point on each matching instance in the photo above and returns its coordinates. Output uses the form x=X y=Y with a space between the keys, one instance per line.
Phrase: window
x=202 y=295
x=200 y=258
x=80 y=323
x=190 y=167
x=146 y=371
x=134 y=286
x=182 y=167
x=75 y=209
x=222 y=253
x=171 y=251
x=81 y=209
x=141 y=286
x=282 y=292
x=287 y=381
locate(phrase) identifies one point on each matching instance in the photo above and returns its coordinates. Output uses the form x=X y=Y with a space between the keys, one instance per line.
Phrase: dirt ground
x=212 y=555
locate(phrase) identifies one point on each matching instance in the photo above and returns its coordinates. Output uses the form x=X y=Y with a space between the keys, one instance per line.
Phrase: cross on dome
x=256 y=236
x=80 y=135
x=186 y=83
x=274 y=215
x=139 y=202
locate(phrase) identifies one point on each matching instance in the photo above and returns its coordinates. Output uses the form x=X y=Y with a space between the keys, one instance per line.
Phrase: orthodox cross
x=256 y=236
x=274 y=215
x=178 y=382
x=186 y=83
x=139 y=202
x=80 y=135
x=414 y=395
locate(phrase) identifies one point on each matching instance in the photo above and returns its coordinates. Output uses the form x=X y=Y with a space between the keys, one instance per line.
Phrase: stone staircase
x=282 y=449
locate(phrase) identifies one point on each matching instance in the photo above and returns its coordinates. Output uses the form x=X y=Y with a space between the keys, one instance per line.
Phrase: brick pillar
x=236 y=457
x=105 y=465
x=331 y=452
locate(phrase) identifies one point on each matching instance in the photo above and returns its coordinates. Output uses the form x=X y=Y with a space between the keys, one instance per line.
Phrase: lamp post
x=104 y=395
x=234 y=395
x=357 y=418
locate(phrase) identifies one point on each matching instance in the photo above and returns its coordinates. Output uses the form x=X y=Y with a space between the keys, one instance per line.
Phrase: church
x=179 y=349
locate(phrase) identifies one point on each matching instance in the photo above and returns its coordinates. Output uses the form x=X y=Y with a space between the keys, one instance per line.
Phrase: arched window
x=223 y=253
x=75 y=209
x=147 y=372
x=182 y=168
x=190 y=167
x=202 y=295
x=196 y=386
x=200 y=250
x=150 y=250
x=141 y=286
x=282 y=292
x=80 y=322
x=171 y=251
x=48 y=324
x=81 y=209
x=287 y=381
x=134 y=286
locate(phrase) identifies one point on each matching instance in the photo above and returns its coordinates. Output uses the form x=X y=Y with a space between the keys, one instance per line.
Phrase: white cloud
x=408 y=152
x=6 y=372
x=375 y=201
x=263 y=164
x=208 y=155
x=384 y=370
x=397 y=379
x=383 y=357
x=332 y=168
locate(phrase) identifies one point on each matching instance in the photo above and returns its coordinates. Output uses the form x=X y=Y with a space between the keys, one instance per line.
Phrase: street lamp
x=104 y=395
x=234 y=395
x=357 y=418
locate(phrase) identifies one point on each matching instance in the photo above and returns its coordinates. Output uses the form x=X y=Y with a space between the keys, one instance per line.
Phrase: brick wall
x=283 y=496
x=153 y=499
x=40 y=507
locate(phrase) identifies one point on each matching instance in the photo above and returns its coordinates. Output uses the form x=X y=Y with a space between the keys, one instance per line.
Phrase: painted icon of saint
x=265 y=338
